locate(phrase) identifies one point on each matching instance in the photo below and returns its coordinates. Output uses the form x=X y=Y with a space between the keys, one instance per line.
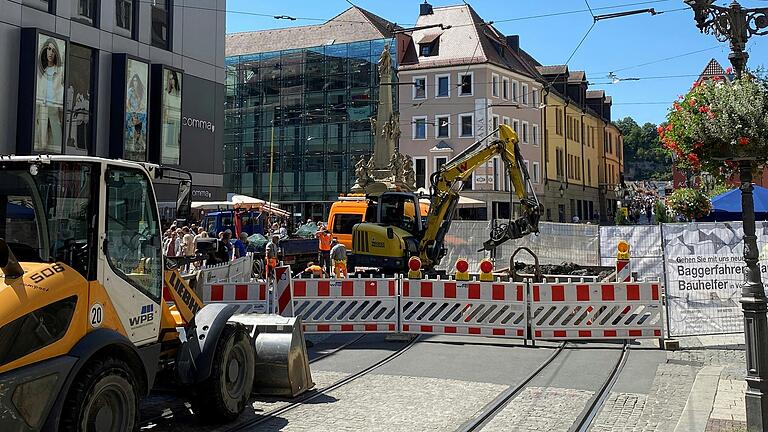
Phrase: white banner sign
x=705 y=271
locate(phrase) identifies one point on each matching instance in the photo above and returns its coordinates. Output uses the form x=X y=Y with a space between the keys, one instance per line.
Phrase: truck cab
x=218 y=221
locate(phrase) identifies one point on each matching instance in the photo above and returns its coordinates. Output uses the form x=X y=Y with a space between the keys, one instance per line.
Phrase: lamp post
x=735 y=25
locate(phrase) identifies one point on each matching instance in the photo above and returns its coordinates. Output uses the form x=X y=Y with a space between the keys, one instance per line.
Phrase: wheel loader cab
x=84 y=235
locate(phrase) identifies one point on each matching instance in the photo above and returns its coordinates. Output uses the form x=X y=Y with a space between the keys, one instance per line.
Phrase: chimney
x=425 y=9
x=514 y=42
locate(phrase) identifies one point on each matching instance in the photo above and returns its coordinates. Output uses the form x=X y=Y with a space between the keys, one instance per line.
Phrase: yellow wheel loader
x=89 y=316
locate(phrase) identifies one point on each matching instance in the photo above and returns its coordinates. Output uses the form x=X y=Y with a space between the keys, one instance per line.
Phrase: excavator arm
x=447 y=183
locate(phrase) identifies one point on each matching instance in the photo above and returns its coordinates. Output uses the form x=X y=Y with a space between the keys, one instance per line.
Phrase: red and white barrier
x=458 y=307
x=254 y=296
x=596 y=311
x=346 y=305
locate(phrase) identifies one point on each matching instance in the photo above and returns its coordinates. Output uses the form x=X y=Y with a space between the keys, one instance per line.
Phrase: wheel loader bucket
x=282 y=363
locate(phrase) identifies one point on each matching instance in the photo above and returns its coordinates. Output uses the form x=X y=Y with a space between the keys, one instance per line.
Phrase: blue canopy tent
x=727 y=205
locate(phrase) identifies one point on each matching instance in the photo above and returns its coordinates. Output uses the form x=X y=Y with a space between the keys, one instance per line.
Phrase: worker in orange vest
x=314 y=270
x=324 y=244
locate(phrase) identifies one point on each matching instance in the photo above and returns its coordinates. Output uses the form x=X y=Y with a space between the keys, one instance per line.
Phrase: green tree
x=645 y=158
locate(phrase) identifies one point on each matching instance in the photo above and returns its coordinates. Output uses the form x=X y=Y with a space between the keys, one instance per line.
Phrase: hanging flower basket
x=689 y=203
x=718 y=123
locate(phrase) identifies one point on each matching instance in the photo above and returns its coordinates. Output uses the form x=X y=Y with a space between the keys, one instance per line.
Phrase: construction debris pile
x=565 y=268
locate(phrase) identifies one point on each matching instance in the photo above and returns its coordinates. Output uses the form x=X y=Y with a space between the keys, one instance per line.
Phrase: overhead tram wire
x=280 y=16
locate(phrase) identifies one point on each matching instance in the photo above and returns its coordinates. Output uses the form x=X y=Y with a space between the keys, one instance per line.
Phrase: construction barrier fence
x=516 y=310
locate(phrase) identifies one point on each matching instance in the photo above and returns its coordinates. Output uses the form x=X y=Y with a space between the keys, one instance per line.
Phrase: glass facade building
x=303 y=115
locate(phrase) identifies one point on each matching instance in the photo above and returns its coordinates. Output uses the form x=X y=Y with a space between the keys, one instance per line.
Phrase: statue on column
x=385 y=62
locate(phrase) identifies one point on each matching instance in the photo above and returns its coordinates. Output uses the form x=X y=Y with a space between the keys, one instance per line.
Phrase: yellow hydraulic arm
x=447 y=184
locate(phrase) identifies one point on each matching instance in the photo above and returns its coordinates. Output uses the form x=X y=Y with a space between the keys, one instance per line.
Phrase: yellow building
x=576 y=165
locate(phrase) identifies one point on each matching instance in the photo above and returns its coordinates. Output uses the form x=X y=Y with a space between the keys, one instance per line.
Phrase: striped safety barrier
x=254 y=296
x=345 y=305
x=596 y=311
x=457 y=307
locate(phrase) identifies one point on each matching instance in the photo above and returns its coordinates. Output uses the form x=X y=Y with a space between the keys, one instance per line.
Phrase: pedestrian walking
x=270 y=255
x=324 y=249
x=241 y=245
x=188 y=241
x=339 y=257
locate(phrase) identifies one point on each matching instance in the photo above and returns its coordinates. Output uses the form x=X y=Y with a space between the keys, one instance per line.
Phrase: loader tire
x=103 y=397
x=223 y=395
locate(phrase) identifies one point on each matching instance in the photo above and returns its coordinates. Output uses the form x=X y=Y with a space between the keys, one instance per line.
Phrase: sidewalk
x=716 y=401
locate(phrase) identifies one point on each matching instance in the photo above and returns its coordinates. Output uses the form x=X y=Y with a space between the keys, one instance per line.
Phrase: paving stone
x=659 y=410
x=718 y=425
x=538 y=408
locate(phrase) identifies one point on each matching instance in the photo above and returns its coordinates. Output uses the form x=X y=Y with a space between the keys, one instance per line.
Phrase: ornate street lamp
x=736 y=24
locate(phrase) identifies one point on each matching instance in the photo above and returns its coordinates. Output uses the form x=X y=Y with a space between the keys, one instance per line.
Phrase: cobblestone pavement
x=716 y=425
x=659 y=410
x=541 y=409
x=390 y=403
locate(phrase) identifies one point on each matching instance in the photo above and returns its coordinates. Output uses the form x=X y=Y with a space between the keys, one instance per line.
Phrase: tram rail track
x=585 y=418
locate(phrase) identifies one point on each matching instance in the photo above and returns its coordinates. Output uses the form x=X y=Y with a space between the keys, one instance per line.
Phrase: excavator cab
x=399 y=209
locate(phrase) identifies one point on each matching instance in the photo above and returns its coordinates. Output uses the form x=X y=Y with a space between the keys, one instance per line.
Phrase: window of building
x=429 y=49
x=495 y=125
x=535 y=97
x=535 y=134
x=589 y=171
x=420 y=128
x=420 y=168
x=558 y=121
x=505 y=120
x=161 y=21
x=85 y=11
x=559 y=162
x=466 y=123
x=496 y=173
x=505 y=88
x=514 y=91
x=536 y=174
x=125 y=17
x=420 y=87
x=439 y=162
x=44 y=5
x=527 y=169
x=79 y=107
x=443 y=84
x=525 y=132
x=465 y=84
x=516 y=126
x=442 y=126
x=494 y=85
x=524 y=93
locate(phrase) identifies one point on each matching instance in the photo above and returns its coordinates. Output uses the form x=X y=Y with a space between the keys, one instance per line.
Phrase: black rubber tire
x=103 y=398
x=223 y=395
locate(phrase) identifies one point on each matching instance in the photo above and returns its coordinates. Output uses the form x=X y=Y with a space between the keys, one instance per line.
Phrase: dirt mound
x=564 y=268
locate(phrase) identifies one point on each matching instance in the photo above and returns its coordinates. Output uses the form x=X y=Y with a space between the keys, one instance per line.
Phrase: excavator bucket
x=282 y=363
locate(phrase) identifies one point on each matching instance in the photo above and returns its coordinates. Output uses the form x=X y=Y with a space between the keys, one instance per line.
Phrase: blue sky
x=623 y=45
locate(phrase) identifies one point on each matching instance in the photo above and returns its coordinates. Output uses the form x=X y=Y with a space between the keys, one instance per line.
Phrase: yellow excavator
x=90 y=317
x=398 y=233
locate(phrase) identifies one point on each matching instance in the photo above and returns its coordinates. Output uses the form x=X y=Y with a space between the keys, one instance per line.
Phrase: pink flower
x=703 y=109
x=695 y=84
x=729 y=70
x=743 y=141
x=692 y=102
